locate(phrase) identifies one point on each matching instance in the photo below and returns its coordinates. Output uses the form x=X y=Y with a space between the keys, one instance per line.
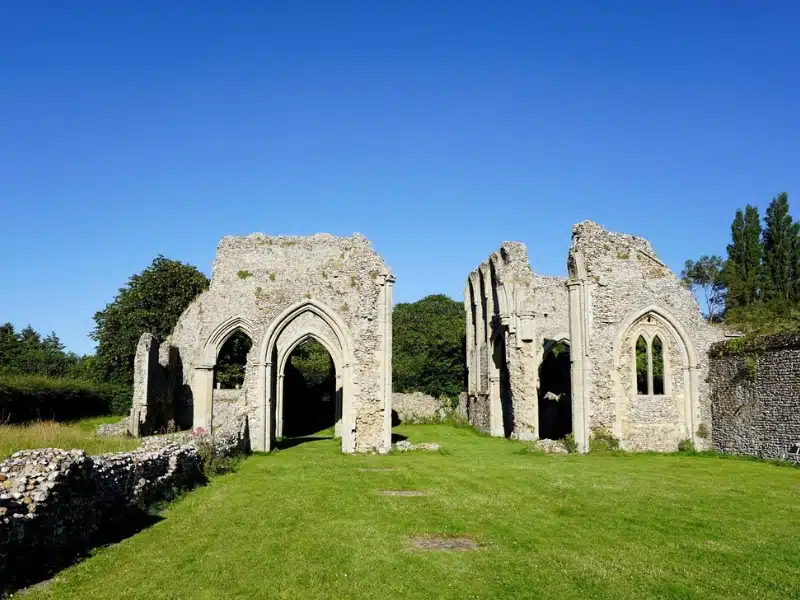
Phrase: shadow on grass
x=26 y=570
x=285 y=443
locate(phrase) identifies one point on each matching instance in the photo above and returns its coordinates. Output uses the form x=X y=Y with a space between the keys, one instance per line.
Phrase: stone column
x=385 y=325
x=279 y=407
x=578 y=372
x=202 y=391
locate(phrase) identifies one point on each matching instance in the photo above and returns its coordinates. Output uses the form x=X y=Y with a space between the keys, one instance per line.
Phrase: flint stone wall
x=54 y=503
x=628 y=291
x=413 y=407
x=755 y=396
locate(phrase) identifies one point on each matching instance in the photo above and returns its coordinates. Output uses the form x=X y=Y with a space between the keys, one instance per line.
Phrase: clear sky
x=436 y=129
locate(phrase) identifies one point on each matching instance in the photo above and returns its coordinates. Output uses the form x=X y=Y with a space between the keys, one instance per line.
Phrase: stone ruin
x=279 y=292
x=620 y=344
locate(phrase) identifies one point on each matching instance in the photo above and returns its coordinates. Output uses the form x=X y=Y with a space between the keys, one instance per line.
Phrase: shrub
x=213 y=462
x=686 y=446
x=703 y=432
x=31 y=398
x=569 y=443
x=602 y=440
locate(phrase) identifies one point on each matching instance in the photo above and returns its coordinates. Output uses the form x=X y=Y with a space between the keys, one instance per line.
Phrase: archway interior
x=555 y=393
x=309 y=391
x=232 y=361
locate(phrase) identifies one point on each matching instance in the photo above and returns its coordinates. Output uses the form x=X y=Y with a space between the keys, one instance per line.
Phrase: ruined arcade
x=277 y=293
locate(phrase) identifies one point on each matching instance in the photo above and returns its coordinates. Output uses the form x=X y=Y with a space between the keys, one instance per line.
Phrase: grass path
x=307 y=522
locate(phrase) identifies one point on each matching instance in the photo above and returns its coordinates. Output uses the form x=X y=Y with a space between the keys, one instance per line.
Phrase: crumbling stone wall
x=510 y=314
x=617 y=289
x=623 y=290
x=151 y=407
x=413 y=407
x=55 y=503
x=755 y=395
x=280 y=291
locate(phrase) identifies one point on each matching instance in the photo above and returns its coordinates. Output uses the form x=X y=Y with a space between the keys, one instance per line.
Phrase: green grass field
x=74 y=434
x=307 y=522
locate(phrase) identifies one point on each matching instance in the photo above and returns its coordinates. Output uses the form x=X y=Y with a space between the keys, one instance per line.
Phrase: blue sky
x=436 y=129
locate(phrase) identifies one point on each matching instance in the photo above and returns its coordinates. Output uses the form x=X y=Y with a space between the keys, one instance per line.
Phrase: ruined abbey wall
x=624 y=291
x=617 y=291
x=755 y=396
x=281 y=291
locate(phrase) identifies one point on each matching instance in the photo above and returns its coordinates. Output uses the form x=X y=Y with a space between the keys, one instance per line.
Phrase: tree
x=780 y=236
x=705 y=277
x=151 y=301
x=428 y=346
x=742 y=270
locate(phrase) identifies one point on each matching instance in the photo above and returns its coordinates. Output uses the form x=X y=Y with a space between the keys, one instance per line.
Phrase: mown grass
x=73 y=434
x=307 y=522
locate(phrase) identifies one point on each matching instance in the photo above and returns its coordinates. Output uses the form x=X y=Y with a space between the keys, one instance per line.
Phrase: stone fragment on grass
x=406 y=446
x=452 y=544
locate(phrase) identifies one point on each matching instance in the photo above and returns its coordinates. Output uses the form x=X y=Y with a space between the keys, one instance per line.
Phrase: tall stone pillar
x=202 y=391
x=385 y=325
x=579 y=375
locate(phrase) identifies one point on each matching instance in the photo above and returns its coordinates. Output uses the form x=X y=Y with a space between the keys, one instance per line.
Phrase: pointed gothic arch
x=669 y=331
x=277 y=344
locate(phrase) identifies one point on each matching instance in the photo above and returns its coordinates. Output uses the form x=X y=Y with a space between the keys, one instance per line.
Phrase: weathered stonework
x=415 y=407
x=280 y=292
x=617 y=291
x=55 y=503
x=755 y=396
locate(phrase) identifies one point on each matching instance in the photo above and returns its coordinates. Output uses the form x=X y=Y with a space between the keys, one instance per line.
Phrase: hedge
x=30 y=398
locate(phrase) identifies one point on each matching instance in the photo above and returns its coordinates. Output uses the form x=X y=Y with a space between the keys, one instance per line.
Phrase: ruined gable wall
x=623 y=275
x=257 y=277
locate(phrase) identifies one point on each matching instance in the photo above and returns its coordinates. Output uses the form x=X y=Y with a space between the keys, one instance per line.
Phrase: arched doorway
x=555 y=391
x=310 y=395
x=296 y=325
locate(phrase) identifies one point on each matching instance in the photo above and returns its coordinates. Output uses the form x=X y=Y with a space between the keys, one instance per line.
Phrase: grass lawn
x=74 y=434
x=307 y=522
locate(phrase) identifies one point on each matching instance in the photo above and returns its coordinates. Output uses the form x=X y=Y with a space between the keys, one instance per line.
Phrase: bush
x=31 y=398
x=703 y=432
x=212 y=461
x=569 y=443
x=602 y=440
x=686 y=446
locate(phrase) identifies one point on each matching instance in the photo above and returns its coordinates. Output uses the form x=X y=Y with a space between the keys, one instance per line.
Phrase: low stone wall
x=414 y=407
x=755 y=395
x=55 y=503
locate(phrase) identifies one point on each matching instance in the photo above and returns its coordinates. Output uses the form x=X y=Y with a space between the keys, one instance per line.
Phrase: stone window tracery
x=649 y=365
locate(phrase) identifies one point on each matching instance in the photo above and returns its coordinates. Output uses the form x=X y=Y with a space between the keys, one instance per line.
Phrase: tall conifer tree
x=742 y=272
x=780 y=246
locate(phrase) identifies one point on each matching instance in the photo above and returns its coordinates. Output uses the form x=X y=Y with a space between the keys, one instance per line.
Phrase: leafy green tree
x=704 y=277
x=313 y=361
x=232 y=361
x=428 y=346
x=151 y=301
x=742 y=269
x=780 y=244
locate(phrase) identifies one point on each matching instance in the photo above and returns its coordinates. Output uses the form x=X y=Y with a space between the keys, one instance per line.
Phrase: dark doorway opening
x=555 y=392
x=503 y=385
x=232 y=361
x=309 y=391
